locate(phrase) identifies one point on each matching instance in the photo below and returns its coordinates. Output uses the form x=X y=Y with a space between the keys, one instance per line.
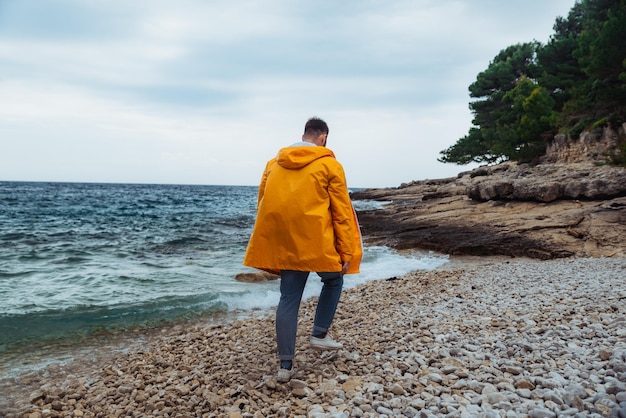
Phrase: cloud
x=205 y=91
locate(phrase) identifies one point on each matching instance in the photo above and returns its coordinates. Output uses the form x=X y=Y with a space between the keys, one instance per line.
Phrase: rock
x=125 y=389
x=386 y=411
x=589 y=146
x=256 y=276
x=37 y=396
x=618 y=412
x=545 y=211
x=351 y=384
x=301 y=392
x=541 y=413
x=571 y=204
x=396 y=389
x=524 y=384
x=576 y=390
x=488 y=389
x=515 y=370
x=547 y=183
x=297 y=384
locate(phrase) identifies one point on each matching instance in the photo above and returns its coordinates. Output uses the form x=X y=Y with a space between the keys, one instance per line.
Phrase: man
x=305 y=223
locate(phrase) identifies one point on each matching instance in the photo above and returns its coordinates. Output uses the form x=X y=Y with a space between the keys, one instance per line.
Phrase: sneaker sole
x=325 y=348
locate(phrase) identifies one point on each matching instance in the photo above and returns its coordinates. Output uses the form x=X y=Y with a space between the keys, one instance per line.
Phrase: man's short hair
x=315 y=127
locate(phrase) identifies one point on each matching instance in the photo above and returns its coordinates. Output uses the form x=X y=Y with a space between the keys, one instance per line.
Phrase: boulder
x=255 y=277
x=550 y=182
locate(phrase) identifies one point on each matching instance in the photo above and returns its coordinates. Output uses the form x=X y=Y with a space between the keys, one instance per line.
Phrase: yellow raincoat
x=305 y=219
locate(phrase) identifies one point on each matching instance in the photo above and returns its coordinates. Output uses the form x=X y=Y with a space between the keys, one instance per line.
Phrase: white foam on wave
x=378 y=263
x=369 y=204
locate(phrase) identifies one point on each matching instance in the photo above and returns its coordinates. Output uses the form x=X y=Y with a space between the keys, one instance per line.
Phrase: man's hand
x=344 y=267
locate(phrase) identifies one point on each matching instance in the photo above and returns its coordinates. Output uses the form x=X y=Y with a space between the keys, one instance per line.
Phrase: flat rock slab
x=448 y=215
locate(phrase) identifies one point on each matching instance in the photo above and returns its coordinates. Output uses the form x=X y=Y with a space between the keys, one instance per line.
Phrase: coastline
x=477 y=334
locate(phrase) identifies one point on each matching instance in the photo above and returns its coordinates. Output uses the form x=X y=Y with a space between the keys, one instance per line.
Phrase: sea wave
x=83 y=258
x=369 y=204
x=18 y=329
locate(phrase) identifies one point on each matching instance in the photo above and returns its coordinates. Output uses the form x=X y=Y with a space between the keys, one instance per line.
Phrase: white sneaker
x=326 y=343
x=284 y=375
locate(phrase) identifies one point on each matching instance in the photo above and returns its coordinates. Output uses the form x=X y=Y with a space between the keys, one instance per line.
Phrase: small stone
x=300 y=392
x=435 y=377
x=514 y=370
x=37 y=396
x=488 y=389
x=576 y=389
x=124 y=389
x=524 y=384
x=418 y=403
x=494 y=398
x=541 y=413
x=297 y=384
x=385 y=411
x=316 y=409
x=351 y=384
x=396 y=389
x=374 y=388
x=358 y=401
x=449 y=369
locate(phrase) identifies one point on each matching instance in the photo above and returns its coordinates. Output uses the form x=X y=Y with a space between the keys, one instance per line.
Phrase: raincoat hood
x=294 y=158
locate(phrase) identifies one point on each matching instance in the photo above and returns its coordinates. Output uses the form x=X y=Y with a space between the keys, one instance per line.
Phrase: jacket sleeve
x=342 y=213
x=263 y=182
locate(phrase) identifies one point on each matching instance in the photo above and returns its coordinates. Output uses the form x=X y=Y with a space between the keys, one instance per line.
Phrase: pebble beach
x=477 y=337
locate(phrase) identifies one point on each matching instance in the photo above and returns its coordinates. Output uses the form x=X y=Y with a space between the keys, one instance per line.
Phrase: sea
x=82 y=259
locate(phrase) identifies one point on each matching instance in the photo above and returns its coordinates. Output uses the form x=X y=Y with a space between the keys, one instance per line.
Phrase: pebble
x=490 y=338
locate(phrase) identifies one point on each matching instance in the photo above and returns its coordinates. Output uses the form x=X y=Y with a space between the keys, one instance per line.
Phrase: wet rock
x=255 y=277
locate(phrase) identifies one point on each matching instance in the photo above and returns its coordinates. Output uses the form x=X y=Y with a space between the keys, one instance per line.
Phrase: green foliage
x=579 y=128
x=508 y=111
x=559 y=70
x=530 y=91
x=600 y=123
x=601 y=50
x=470 y=148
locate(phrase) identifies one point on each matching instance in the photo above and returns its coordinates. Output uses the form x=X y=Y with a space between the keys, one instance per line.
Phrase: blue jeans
x=291 y=287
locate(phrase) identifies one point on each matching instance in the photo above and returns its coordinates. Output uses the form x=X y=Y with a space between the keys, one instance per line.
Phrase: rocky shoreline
x=543 y=211
x=490 y=337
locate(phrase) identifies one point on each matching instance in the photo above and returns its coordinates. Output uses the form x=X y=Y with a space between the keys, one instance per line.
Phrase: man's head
x=315 y=131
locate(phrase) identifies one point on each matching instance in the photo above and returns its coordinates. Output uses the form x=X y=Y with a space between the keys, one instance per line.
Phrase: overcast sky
x=205 y=92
